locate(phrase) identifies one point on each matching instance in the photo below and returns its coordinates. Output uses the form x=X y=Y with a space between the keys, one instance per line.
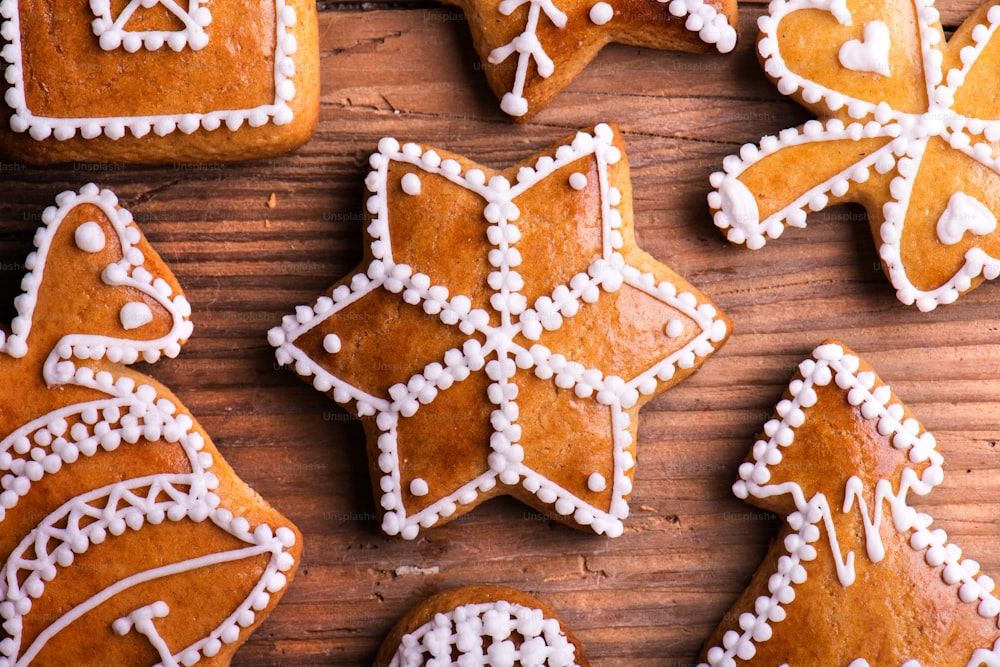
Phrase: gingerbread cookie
x=157 y=81
x=532 y=49
x=839 y=459
x=502 y=333
x=481 y=625
x=906 y=127
x=125 y=538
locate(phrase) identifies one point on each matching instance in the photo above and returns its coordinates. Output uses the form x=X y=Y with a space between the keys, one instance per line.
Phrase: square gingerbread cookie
x=156 y=81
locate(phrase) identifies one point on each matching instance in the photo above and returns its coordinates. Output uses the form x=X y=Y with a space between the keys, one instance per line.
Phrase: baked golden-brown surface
x=532 y=49
x=647 y=599
x=842 y=459
x=249 y=89
x=905 y=126
x=502 y=334
x=517 y=618
x=127 y=538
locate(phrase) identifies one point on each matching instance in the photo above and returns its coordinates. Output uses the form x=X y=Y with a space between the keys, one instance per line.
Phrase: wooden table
x=652 y=596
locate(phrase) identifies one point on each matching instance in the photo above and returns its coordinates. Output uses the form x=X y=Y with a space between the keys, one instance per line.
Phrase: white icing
x=601 y=13
x=674 y=328
x=331 y=343
x=134 y=315
x=123 y=414
x=831 y=363
x=511 y=344
x=964 y=213
x=700 y=17
x=90 y=237
x=596 y=482
x=577 y=181
x=906 y=134
x=484 y=634
x=113 y=31
x=142 y=621
x=40 y=128
x=410 y=184
x=870 y=54
x=128 y=272
x=419 y=487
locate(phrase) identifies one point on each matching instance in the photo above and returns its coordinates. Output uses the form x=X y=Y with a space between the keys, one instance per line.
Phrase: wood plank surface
x=652 y=596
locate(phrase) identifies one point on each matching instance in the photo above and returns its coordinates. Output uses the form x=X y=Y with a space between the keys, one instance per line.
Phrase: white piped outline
x=547 y=313
x=700 y=17
x=112 y=32
x=128 y=412
x=465 y=627
x=41 y=128
x=833 y=363
x=59 y=366
x=907 y=134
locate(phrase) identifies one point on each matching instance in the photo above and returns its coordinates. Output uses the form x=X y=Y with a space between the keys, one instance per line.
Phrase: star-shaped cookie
x=857 y=577
x=532 y=49
x=125 y=538
x=502 y=333
x=907 y=126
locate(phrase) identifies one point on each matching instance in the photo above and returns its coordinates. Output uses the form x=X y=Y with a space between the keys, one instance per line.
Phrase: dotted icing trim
x=464 y=629
x=832 y=363
x=907 y=135
x=700 y=17
x=41 y=128
x=60 y=366
x=113 y=32
x=128 y=413
x=517 y=317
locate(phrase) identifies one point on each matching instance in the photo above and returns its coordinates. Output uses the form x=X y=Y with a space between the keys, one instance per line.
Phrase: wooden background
x=653 y=595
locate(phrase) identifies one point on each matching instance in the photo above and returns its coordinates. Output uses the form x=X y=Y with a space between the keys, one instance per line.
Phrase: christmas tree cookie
x=857 y=577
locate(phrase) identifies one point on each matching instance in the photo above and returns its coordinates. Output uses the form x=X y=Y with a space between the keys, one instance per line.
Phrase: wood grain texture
x=652 y=596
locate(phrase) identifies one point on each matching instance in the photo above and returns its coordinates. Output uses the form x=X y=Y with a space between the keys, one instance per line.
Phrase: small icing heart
x=871 y=54
x=964 y=214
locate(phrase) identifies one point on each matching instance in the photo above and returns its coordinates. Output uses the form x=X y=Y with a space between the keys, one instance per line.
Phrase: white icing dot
x=675 y=328
x=410 y=184
x=90 y=237
x=596 y=482
x=577 y=180
x=601 y=13
x=418 y=487
x=331 y=343
x=134 y=315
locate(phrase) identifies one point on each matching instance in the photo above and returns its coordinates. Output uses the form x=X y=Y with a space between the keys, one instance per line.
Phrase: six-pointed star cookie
x=531 y=49
x=502 y=334
x=839 y=460
x=908 y=127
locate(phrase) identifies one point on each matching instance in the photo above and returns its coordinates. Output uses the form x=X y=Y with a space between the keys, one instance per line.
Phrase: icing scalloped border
x=607 y=274
x=700 y=18
x=41 y=128
x=832 y=363
x=112 y=33
x=736 y=211
x=542 y=640
x=78 y=524
x=59 y=366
